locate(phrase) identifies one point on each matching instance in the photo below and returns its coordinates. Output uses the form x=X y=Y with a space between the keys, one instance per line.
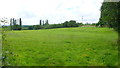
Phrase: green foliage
x=80 y=24
x=36 y=27
x=65 y=24
x=110 y=12
x=57 y=26
x=3 y=41
x=109 y=15
x=71 y=23
x=47 y=27
x=81 y=46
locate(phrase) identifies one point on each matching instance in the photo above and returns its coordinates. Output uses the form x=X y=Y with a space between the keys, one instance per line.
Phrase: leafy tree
x=65 y=24
x=109 y=12
x=72 y=23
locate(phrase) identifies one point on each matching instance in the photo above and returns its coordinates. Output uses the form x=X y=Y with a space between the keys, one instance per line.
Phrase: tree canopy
x=109 y=15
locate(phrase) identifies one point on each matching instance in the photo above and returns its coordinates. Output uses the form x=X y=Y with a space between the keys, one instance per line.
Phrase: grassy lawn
x=0 y=48
x=81 y=46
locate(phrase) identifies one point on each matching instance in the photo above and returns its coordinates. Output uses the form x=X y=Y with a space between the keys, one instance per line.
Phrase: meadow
x=80 y=46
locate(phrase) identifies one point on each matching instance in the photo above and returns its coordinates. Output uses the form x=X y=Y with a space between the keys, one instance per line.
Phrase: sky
x=55 y=11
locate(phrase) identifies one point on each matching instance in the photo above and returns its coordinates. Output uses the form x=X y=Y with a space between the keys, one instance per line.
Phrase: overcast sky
x=56 y=11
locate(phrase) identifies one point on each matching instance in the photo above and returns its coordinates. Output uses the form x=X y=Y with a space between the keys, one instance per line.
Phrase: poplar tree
x=40 y=22
x=11 y=24
x=20 y=24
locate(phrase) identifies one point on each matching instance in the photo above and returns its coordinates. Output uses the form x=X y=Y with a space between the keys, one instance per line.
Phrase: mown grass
x=82 y=46
x=0 y=47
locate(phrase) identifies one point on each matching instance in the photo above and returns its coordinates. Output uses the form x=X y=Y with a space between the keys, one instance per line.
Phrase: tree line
x=16 y=24
x=46 y=25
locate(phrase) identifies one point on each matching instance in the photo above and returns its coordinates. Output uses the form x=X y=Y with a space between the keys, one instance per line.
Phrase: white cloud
x=56 y=11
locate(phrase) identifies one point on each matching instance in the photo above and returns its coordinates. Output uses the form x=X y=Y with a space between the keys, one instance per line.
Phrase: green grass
x=0 y=47
x=82 y=46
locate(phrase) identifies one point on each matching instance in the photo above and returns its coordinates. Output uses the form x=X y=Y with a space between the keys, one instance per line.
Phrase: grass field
x=81 y=46
x=0 y=47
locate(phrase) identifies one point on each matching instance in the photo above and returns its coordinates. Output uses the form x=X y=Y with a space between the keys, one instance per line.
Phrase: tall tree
x=20 y=24
x=43 y=22
x=15 y=21
x=14 y=24
x=11 y=21
x=46 y=23
x=109 y=12
x=40 y=22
